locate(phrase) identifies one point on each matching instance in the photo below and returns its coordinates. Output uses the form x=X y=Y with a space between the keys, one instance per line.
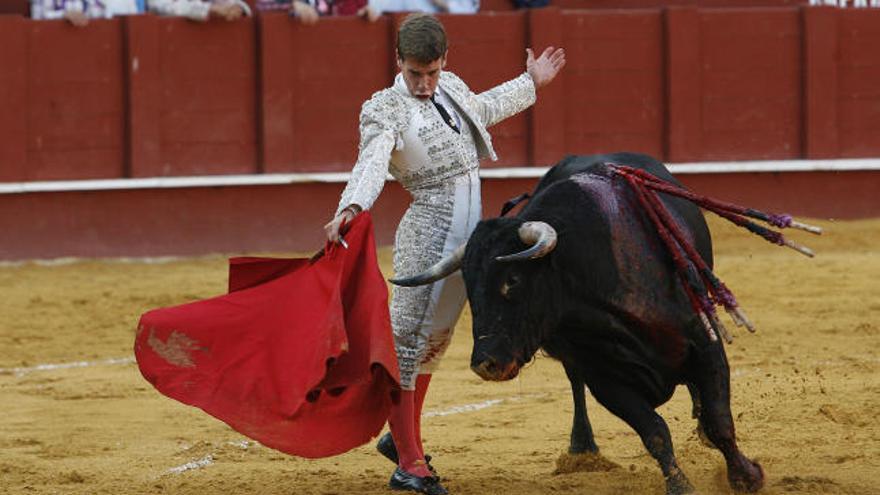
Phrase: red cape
x=298 y=356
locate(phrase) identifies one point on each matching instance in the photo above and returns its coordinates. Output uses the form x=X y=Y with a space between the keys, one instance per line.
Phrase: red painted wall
x=751 y=90
x=314 y=80
x=614 y=84
x=858 y=83
x=146 y=96
x=193 y=98
x=63 y=102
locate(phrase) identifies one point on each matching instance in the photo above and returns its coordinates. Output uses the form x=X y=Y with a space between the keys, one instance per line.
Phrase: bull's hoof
x=588 y=462
x=582 y=447
x=678 y=484
x=748 y=478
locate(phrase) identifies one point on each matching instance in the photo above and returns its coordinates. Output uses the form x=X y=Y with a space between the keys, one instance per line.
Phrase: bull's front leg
x=583 y=453
x=582 y=440
x=631 y=406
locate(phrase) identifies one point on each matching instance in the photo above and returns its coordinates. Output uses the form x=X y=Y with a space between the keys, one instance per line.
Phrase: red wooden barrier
x=13 y=100
x=547 y=143
x=74 y=111
x=613 y=81
x=683 y=85
x=820 y=83
x=315 y=79
x=858 y=82
x=752 y=84
x=146 y=96
x=842 y=101
x=192 y=98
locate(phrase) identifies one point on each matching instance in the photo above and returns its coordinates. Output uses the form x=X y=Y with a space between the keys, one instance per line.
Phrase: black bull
x=604 y=299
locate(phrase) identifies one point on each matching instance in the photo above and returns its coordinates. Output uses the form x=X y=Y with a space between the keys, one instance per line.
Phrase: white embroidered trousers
x=439 y=220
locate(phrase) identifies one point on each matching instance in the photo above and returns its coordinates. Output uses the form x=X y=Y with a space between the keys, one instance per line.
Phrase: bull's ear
x=513 y=202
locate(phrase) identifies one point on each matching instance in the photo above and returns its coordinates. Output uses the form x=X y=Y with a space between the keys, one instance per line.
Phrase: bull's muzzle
x=491 y=370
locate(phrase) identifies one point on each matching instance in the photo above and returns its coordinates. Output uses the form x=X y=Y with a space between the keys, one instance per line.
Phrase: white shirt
x=442 y=98
x=455 y=6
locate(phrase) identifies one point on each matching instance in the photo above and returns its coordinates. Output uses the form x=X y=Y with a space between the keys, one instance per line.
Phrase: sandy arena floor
x=806 y=391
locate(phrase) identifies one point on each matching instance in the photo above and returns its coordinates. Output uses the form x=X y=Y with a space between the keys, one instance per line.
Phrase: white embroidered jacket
x=398 y=135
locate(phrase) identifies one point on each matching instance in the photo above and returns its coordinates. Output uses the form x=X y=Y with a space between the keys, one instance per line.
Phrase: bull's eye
x=513 y=280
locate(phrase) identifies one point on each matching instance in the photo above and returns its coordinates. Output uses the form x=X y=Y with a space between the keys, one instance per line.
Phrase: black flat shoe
x=430 y=485
x=386 y=447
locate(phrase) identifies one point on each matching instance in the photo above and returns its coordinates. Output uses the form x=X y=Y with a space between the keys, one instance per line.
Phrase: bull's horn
x=441 y=269
x=541 y=238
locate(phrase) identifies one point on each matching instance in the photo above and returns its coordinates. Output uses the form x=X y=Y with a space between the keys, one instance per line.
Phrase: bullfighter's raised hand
x=544 y=68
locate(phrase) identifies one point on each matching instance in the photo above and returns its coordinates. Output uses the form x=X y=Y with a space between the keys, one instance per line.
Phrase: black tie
x=443 y=113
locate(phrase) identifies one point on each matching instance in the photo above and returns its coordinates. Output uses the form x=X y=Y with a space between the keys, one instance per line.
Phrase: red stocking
x=403 y=431
x=422 y=382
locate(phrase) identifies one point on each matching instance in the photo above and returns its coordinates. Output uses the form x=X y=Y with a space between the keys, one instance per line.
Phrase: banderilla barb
x=703 y=288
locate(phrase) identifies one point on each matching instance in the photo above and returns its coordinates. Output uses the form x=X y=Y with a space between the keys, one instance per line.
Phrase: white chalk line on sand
x=71 y=260
x=208 y=459
x=203 y=462
x=21 y=371
x=464 y=408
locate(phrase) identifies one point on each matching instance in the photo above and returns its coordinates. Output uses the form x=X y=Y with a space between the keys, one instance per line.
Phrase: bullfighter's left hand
x=544 y=68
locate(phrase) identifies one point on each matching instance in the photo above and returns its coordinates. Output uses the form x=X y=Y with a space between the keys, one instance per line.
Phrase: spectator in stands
x=78 y=12
x=310 y=11
x=428 y=6
x=201 y=10
x=530 y=4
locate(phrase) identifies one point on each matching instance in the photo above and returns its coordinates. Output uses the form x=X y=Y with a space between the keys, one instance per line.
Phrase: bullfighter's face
x=421 y=78
x=510 y=302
